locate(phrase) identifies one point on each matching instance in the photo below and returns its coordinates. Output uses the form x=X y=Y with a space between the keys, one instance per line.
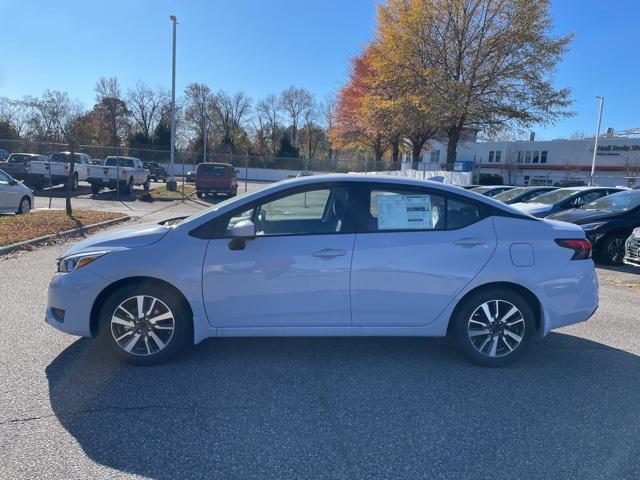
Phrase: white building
x=546 y=162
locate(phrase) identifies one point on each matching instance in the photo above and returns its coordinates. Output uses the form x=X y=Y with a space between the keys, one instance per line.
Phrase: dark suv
x=156 y=172
x=215 y=178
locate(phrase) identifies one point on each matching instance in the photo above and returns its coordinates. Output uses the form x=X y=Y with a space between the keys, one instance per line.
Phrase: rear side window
x=409 y=209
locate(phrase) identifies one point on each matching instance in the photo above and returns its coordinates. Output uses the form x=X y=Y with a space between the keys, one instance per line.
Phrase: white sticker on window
x=401 y=212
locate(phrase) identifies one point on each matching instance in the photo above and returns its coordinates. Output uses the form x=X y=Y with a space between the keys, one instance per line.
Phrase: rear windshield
x=216 y=170
x=551 y=198
x=122 y=162
x=22 y=158
x=64 y=157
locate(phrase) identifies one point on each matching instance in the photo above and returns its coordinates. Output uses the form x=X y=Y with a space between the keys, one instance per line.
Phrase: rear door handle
x=470 y=242
x=329 y=253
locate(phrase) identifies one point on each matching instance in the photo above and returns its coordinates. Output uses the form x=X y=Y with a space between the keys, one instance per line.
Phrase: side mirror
x=13 y=181
x=240 y=233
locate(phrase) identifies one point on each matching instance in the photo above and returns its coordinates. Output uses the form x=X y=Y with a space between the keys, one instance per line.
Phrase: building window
x=435 y=156
x=536 y=157
x=526 y=180
x=491 y=156
x=519 y=156
x=527 y=157
x=498 y=155
x=543 y=156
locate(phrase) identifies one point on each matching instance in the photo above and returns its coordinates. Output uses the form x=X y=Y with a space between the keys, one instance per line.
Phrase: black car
x=522 y=194
x=607 y=222
x=157 y=172
x=491 y=190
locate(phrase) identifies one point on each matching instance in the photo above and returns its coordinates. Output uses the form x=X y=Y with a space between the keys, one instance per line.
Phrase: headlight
x=74 y=262
x=592 y=226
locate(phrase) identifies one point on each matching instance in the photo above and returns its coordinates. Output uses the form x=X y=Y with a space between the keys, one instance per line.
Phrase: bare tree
x=112 y=108
x=231 y=112
x=327 y=108
x=295 y=101
x=198 y=111
x=269 y=109
x=146 y=106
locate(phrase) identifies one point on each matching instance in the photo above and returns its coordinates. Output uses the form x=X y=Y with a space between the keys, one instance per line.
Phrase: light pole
x=172 y=186
x=595 y=145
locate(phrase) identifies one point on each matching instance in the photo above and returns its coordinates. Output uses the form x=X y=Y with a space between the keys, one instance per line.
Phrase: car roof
x=216 y=163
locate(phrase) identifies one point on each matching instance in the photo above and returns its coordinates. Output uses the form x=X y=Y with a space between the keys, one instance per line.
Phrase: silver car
x=14 y=196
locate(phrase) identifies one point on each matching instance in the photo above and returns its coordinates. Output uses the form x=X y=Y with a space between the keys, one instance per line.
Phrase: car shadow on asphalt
x=356 y=408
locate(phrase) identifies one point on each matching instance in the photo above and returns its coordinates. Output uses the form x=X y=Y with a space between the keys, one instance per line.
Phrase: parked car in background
x=121 y=173
x=608 y=222
x=4 y=154
x=156 y=171
x=632 y=249
x=216 y=178
x=469 y=187
x=55 y=170
x=570 y=183
x=564 y=199
x=15 y=197
x=16 y=164
x=312 y=256
x=491 y=190
x=522 y=194
x=190 y=176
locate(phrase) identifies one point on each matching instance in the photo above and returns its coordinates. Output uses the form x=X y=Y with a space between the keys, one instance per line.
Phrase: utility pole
x=595 y=145
x=172 y=186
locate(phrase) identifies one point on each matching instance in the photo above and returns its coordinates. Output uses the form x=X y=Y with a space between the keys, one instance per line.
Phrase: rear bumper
x=216 y=190
x=107 y=183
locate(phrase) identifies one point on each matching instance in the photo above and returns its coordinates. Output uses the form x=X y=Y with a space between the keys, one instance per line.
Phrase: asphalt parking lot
x=315 y=407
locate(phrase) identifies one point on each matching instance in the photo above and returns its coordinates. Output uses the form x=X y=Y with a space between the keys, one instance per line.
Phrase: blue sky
x=262 y=46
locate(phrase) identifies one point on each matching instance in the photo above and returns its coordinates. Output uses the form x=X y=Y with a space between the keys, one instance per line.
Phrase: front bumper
x=73 y=294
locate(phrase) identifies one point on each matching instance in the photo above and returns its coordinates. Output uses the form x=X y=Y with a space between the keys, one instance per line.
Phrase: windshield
x=618 y=202
x=551 y=198
x=510 y=194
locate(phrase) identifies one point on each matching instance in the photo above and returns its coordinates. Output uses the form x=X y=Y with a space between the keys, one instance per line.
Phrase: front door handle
x=330 y=253
x=470 y=242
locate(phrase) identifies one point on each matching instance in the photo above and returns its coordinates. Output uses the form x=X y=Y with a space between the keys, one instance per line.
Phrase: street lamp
x=172 y=185
x=595 y=145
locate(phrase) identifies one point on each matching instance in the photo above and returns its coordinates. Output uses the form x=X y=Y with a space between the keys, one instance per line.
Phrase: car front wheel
x=494 y=327
x=612 y=250
x=25 y=205
x=144 y=324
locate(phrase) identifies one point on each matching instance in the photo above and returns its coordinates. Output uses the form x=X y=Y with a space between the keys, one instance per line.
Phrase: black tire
x=128 y=187
x=611 y=251
x=180 y=337
x=200 y=194
x=147 y=185
x=21 y=208
x=95 y=188
x=469 y=314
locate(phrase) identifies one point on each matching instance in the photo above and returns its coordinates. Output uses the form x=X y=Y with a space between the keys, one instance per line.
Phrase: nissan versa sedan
x=564 y=199
x=330 y=255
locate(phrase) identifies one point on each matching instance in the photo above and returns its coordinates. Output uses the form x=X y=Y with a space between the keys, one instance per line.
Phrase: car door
x=8 y=194
x=295 y=273
x=421 y=249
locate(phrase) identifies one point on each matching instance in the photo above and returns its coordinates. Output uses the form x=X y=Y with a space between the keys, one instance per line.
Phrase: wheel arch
x=528 y=295
x=21 y=200
x=104 y=294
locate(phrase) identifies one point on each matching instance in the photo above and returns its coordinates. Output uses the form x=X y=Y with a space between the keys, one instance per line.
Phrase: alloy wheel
x=615 y=250
x=142 y=325
x=25 y=205
x=496 y=328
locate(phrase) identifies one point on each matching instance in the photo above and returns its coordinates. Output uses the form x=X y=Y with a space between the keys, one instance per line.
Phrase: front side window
x=4 y=178
x=318 y=211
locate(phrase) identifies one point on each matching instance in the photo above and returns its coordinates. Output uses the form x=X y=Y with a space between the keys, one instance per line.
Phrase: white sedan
x=14 y=196
x=330 y=255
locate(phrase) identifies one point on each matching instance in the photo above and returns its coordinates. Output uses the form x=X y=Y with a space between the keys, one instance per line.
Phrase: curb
x=74 y=231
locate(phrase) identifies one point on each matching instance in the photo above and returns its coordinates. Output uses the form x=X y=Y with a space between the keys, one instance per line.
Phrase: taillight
x=580 y=246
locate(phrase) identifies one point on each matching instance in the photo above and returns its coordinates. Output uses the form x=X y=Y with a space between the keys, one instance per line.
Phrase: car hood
x=532 y=207
x=128 y=237
x=579 y=216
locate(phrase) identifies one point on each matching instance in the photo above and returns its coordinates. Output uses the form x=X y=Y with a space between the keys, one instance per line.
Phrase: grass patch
x=18 y=228
x=162 y=192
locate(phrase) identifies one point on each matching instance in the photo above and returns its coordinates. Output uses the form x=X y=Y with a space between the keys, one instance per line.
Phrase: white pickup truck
x=122 y=172
x=55 y=170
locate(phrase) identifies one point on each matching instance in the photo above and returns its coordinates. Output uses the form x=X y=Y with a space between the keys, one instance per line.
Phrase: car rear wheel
x=144 y=324
x=128 y=188
x=147 y=185
x=494 y=327
x=25 y=205
x=75 y=183
x=95 y=188
x=200 y=194
x=612 y=249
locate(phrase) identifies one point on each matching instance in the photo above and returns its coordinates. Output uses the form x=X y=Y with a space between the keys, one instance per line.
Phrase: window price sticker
x=402 y=212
